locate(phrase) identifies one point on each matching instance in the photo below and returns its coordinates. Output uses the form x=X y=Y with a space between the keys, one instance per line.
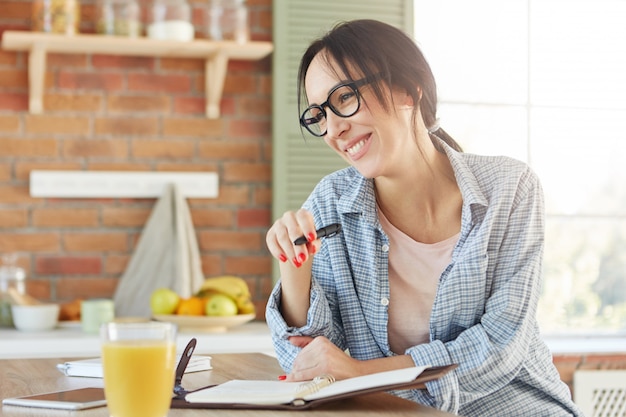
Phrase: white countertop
x=72 y=342
x=250 y=337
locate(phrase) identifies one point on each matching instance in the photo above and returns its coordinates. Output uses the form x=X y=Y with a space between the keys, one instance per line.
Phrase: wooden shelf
x=215 y=54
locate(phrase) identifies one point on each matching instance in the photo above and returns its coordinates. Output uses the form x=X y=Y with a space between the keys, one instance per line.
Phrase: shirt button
x=384 y=301
x=385 y=248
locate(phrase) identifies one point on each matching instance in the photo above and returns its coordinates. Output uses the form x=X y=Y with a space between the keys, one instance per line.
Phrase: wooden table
x=20 y=377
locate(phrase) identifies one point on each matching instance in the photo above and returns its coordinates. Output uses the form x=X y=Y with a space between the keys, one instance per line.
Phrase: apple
x=220 y=305
x=164 y=301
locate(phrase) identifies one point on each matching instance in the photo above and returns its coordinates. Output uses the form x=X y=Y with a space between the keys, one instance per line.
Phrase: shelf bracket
x=214 y=75
x=36 y=77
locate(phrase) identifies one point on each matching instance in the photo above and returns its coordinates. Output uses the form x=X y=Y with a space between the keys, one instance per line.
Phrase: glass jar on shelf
x=118 y=17
x=11 y=277
x=226 y=20
x=56 y=16
x=170 y=20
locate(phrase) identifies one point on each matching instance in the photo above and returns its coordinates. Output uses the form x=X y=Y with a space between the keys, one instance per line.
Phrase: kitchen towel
x=167 y=256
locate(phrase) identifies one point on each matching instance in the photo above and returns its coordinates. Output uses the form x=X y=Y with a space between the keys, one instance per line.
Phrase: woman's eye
x=348 y=96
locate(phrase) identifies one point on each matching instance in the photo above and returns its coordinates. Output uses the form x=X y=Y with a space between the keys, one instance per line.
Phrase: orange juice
x=138 y=377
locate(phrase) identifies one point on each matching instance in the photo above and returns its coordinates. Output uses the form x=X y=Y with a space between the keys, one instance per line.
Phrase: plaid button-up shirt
x=483 y=317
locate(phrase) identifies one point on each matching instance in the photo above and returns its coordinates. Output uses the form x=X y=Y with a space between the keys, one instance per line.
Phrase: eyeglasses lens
x=343 y=101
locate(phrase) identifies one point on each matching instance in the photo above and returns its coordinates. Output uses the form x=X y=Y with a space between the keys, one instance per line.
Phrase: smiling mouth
x=356 y=147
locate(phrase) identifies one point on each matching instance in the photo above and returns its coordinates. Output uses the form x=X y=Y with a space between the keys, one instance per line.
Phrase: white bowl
x=35 y=317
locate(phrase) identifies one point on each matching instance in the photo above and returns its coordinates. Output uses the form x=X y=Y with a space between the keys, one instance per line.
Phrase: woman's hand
x=285 y=230
x=320 y=356
x=295 y=262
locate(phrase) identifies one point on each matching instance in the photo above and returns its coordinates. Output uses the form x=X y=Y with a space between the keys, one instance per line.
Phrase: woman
x=439 y=258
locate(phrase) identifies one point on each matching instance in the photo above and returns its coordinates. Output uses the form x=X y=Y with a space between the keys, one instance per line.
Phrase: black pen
x=326 y=231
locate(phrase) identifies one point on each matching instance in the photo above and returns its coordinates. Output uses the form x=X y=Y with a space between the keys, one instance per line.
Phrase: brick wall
x=132 y=113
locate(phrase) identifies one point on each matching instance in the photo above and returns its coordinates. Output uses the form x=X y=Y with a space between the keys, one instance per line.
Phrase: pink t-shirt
x=414 y=271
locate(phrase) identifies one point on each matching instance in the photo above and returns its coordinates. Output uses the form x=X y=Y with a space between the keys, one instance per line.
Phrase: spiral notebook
x=266 y=394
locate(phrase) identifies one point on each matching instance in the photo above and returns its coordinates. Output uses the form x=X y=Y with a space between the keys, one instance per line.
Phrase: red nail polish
x=282 y=377
x=311 y=237
x=297 y=263
x=302 y=257
x=282 y=257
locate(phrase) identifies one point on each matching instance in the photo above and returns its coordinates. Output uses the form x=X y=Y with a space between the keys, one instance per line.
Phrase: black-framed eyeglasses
x=344 y=100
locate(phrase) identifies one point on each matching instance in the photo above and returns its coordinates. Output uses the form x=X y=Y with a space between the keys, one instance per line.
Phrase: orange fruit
x=192 y=306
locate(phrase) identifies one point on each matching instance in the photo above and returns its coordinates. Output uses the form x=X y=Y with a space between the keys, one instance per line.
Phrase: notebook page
x=247 y=392
x=368 y=381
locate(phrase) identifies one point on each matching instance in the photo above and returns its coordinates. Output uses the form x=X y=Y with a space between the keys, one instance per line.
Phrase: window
x=543 y=81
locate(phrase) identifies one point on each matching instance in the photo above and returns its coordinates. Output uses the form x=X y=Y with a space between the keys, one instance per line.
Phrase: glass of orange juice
x=138 y=361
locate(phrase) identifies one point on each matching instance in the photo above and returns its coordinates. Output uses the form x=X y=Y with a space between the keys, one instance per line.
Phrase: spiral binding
x=314 y=385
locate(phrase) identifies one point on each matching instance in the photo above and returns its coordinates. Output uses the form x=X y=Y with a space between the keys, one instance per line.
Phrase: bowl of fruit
x=220 y=303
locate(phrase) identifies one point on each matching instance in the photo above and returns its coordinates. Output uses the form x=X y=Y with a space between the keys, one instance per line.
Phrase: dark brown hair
x=378 y=50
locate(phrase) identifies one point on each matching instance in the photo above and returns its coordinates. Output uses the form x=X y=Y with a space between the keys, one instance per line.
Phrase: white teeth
x=357 y=147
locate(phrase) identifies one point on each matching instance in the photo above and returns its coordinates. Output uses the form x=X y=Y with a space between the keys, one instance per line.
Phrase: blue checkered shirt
x=483 y=317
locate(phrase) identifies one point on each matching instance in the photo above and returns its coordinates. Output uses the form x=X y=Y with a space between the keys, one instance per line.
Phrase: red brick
x=24 y=147
x=248 y=265
x=99 y=148
x=5 y=172
x=39 y=288
x=65 y=217
x=13 y=79
x=13 y=218
x=249 y=129
x=8 y=57
x=46 y=265
x=226 y=149
x=162 y=83
x=253 y=218
x=65 y=61
x=138 y=104
x=256 y=106
x=125 y=216
x=15 y=194
x=182 y=64
x=14 y=101
x=72 y=102
x=211 y=265
x=57 y=124
x=116 y=264
x=123 y=126
x=266 y=150
x=229 y=240
x=236 y=83
x=91 y=81
x=187 y=167
x=119 y=166
x=9 y=123
x=84 y=288
x=262 y=196
x=212 y=218
x=232 y=195
x=265 y=85
x=247 y=172
x=162 y=148
x=16 y=10
x=122 y=61
x=29 y=242
x=23 y=169
x=95 y=242
x=199 y=127
x=189 y=105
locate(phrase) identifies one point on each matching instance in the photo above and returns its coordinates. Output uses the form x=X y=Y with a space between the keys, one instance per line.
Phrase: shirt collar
x=361 y=199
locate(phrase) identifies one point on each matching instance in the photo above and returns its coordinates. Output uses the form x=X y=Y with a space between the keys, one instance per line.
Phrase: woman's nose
x=336 y=125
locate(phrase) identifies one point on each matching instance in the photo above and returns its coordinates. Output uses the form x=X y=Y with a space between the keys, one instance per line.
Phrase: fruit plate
x=205 y=323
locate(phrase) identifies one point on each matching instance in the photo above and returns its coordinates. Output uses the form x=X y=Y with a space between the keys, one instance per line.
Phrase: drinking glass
x=138 y=361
